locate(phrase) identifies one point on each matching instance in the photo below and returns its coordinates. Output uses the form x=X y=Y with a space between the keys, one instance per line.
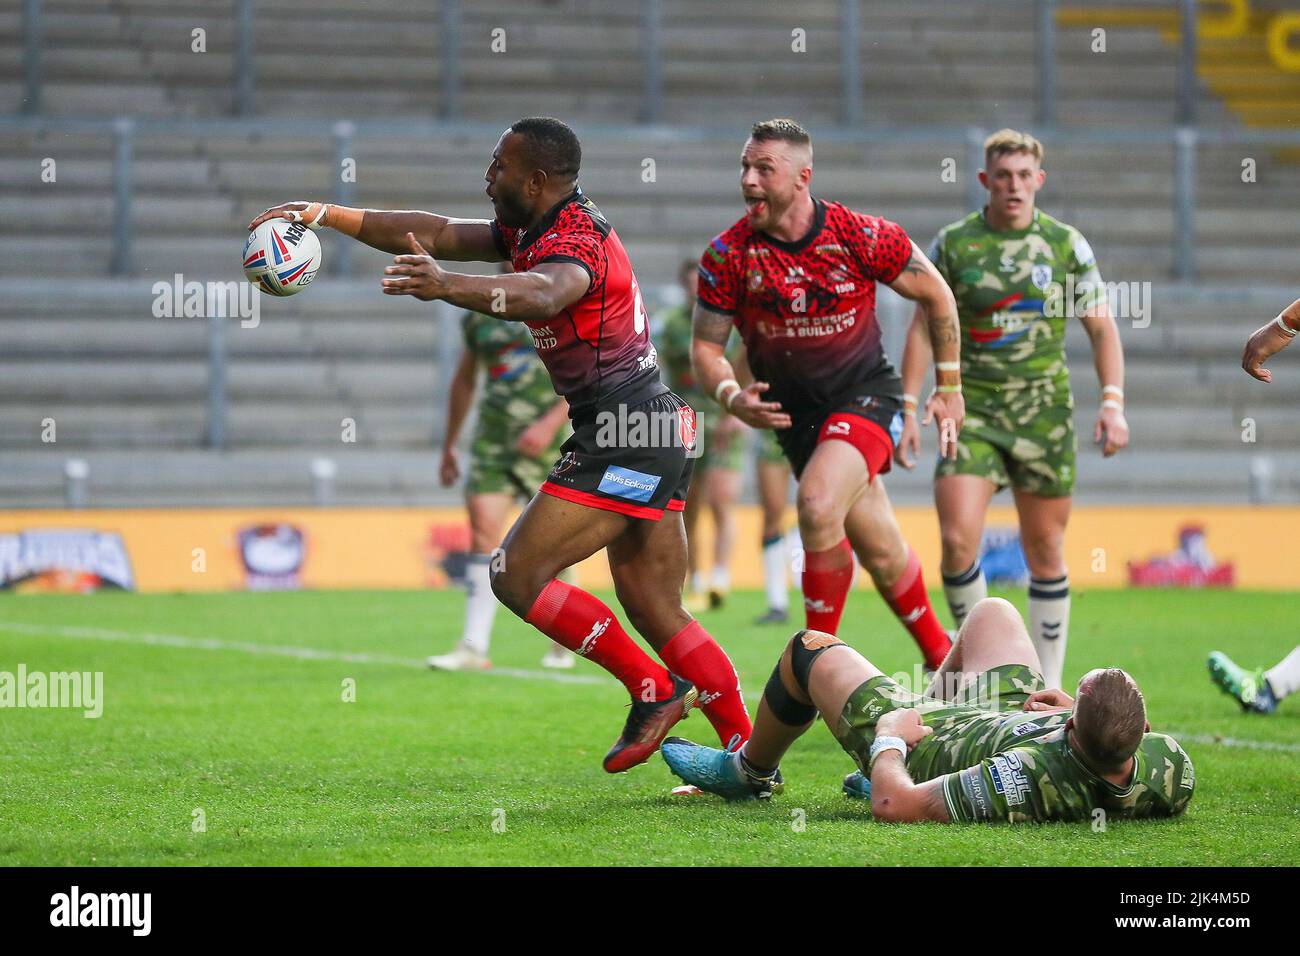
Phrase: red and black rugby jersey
x=601 y=343
x=807 y=309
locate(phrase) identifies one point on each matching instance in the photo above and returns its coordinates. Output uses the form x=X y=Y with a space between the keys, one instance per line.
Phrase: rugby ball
x=281 y=257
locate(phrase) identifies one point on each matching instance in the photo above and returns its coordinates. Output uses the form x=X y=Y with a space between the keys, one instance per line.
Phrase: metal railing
x=852 y=109
x=1185 y=143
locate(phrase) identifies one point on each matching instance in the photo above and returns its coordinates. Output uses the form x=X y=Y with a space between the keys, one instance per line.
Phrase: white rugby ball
x=281 y=257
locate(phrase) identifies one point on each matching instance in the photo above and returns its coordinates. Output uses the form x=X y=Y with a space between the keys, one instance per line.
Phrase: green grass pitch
x=504 y=768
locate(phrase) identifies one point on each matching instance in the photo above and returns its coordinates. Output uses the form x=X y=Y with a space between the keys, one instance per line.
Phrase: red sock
x=693 y=654
x=826 y=579
x=910 y=602
x=582 y=623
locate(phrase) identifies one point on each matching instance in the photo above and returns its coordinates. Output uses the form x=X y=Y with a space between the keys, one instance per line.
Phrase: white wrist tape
x=1281 y=324
x=1112 y=390
x=717 y=392
x=881 y=744
x=315 y=221
x=948 y=366
x=1111 y=403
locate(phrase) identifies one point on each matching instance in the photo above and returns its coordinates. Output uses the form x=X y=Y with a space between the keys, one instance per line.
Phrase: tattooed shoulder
x=711 y=326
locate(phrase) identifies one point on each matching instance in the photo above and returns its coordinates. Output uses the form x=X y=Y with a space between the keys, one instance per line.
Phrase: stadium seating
x=129 y=391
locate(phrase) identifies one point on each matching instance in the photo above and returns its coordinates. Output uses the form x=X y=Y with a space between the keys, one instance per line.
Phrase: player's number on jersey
x=638 y=317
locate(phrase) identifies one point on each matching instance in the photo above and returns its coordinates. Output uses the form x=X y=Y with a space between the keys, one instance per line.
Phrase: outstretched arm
x=462 y=240
x=540 y=293
x=1268 y=340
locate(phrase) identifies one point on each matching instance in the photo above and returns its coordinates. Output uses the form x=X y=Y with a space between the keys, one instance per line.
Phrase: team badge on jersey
x=1041 y=275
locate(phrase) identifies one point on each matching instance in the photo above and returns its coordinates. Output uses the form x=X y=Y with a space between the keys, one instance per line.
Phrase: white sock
x=964 y=591
x=1049 y=624
x=1284 y=678
x=794 y=545
x=480 y=604
x=697 y=582
x=774 y=564
x=721 y=579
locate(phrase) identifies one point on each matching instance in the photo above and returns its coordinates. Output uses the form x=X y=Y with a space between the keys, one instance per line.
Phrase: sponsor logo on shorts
x=623 y=427
x=896 y=427
x=837 y=428
x=628 y=483
x=567 y=463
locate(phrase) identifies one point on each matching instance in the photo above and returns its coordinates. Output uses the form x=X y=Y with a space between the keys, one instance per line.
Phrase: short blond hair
x=1110 y=717
x=1007 y=141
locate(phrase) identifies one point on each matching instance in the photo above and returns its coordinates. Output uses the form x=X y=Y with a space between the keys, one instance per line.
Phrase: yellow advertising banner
x=218 y=550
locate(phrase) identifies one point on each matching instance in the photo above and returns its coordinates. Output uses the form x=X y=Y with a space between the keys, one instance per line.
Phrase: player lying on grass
x=987 y=741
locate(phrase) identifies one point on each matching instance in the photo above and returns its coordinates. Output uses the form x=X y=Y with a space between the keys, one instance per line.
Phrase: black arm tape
x=802 y=656
x=784 y=707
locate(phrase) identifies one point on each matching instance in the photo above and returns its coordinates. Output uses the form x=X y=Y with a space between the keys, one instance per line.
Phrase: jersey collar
x=1115 y=789
x=548 y=220
x=799 y=245
x=984 y=218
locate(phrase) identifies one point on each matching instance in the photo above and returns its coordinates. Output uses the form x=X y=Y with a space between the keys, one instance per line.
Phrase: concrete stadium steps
x=194 y=194
x=921 y=59
x=161 y=477
x=182 y=423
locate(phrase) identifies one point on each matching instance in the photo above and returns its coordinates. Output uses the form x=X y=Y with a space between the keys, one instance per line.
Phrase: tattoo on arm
x=936 y=808
x=711 y=326
x=943 y=329
x=918 y=264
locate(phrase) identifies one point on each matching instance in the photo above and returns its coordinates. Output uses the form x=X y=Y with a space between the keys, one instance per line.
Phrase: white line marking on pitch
x=1235 y=742
x=276 y=650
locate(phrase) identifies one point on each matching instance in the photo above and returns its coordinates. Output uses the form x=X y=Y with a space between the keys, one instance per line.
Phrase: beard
x=511 y=210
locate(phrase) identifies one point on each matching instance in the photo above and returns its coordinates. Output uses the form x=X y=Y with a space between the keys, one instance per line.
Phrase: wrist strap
x=717 y=392
x=1281 y=324
x=881 y=744
x=948 y=366
x=1112 y=390
x=1111 y=403
x=342 y=219
x=948 y=389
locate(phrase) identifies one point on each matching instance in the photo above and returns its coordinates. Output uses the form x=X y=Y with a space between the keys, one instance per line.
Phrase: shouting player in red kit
x=797 y=276
x=621 y=481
